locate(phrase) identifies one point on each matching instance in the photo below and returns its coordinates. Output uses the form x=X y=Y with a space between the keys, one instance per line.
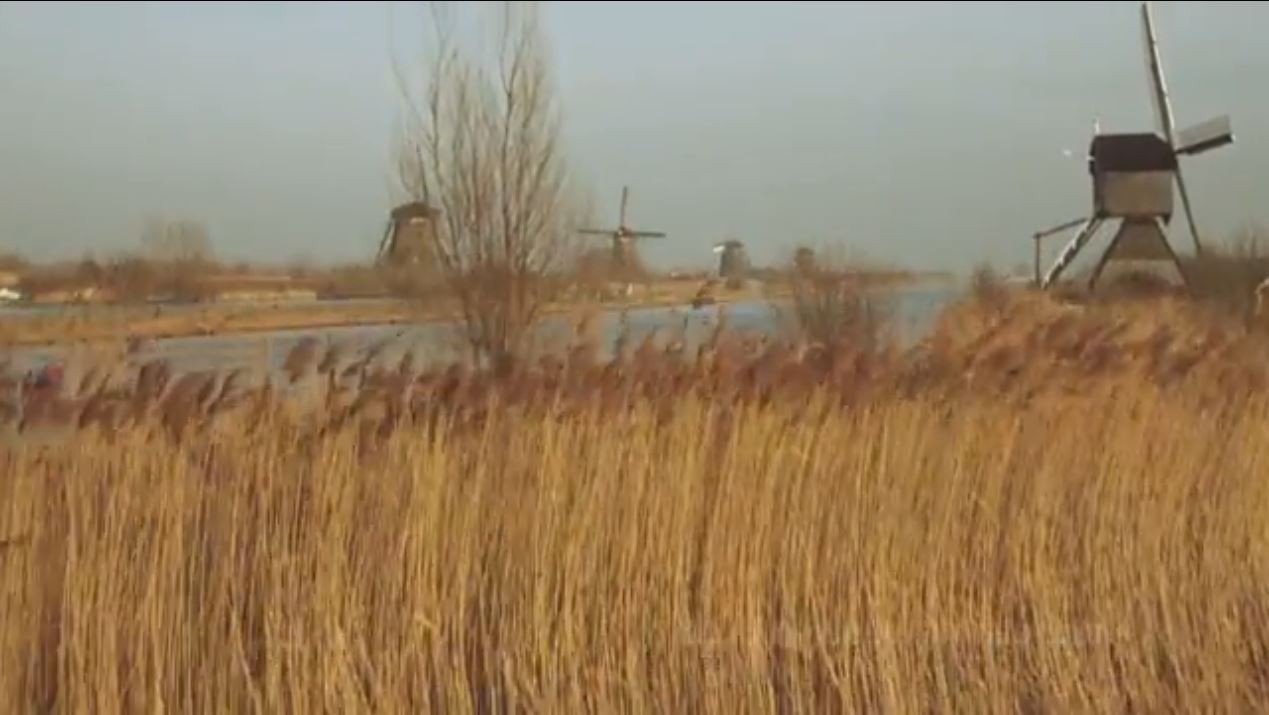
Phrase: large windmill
x=624 y=260
x=1133 y=176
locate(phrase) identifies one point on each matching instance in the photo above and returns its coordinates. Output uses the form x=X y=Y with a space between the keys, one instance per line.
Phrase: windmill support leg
x=1157 y=226
x=1176 y=260
x=1072 y=249
x=1101 y=262
x=1040 y=235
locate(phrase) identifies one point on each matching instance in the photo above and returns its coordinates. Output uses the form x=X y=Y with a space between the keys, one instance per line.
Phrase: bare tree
x=175 y=241
x=831 y=304
x=481 y=143
x=13 y=262
x=180 y=251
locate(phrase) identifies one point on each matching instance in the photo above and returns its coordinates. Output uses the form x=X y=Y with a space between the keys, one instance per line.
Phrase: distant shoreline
x=95 y=324
x=104 y=323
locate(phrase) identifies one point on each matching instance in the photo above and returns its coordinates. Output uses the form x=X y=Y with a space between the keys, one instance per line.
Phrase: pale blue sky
x=929 y=134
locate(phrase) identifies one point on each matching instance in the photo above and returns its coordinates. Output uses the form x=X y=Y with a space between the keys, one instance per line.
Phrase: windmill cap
x=414 y=209
x=1131 y=152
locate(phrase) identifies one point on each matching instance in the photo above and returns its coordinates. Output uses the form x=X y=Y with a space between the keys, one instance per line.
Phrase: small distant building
x=9 y=287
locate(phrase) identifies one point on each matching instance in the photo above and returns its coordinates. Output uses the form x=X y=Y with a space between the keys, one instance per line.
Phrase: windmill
x=624 y=260
x=733 y=261
x=1133 y=176
x=408 y=234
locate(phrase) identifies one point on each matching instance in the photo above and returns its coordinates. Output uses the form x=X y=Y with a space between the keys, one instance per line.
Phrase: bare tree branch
x=481 y=143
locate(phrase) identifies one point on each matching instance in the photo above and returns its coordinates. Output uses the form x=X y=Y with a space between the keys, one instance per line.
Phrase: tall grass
x=1046 y=508
x=910 y=556
x=1227 y=275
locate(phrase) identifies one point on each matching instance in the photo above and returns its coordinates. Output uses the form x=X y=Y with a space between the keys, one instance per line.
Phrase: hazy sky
x=927 y=134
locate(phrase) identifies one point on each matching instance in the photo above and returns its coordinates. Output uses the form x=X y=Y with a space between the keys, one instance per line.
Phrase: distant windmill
x=1132 y=181
x=408 y=236
x=733 y=261
x=623 y=237
x=804 y=261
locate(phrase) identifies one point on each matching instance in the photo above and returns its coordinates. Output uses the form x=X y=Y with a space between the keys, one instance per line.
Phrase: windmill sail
x=384 y=248
x=1163 y=111
x=1189 y=211
x=1205 y=136
x=622 y=234
x=1158 y=85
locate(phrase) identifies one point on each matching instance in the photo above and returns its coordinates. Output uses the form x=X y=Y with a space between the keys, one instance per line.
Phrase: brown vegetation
x=1227 y=276
x=1032 y=348
x=833 y=303
x=784 y=527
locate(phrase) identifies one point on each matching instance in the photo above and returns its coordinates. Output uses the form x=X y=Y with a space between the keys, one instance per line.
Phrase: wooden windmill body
x=408 y=236
x=623 y=259
x=1133 y=175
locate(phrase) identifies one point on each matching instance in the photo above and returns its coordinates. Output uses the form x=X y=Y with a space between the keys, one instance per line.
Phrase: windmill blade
x=645 y=234
x=383 y=242
x=1189 y=212
x=1158 y=85
x=597 y=231
x=1203 y=137
x=625 y=195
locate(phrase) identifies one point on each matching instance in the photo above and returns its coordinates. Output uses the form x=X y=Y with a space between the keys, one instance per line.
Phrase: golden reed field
x=1047 y=508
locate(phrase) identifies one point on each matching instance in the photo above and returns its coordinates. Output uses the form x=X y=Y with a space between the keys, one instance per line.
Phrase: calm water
x=915 y=310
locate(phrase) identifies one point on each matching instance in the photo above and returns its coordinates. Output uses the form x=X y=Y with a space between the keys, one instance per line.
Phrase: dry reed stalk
x=910 y=555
